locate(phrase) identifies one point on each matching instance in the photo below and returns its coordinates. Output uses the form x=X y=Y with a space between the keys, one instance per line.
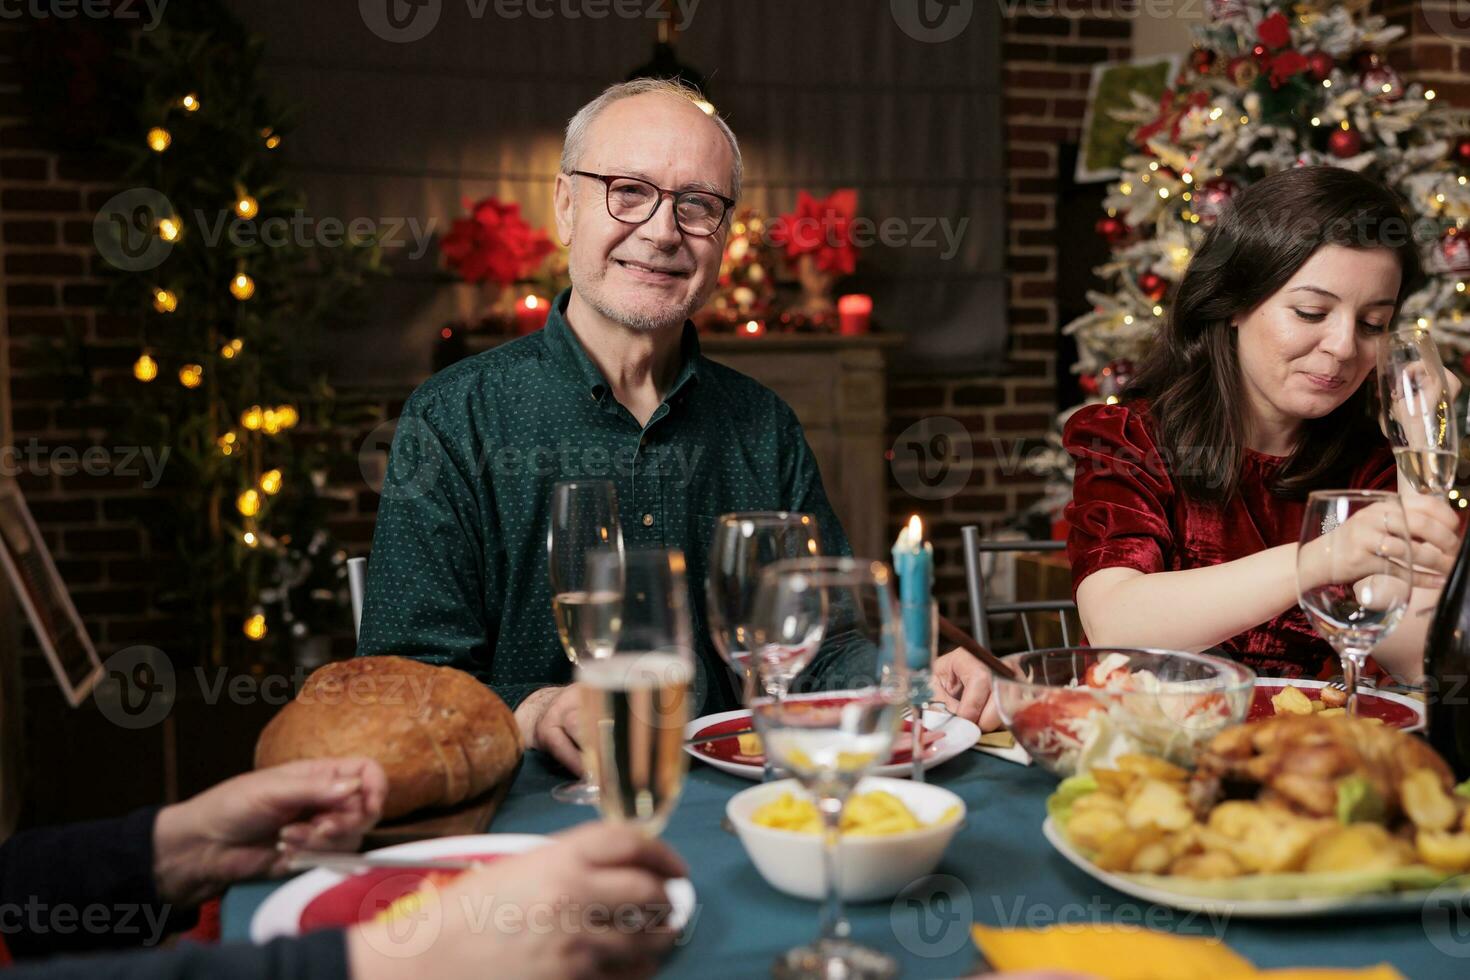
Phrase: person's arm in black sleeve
x=83 y=887
x=315 y=956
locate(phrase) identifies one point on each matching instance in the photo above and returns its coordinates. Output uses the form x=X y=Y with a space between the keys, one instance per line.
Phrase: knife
x=358 y=863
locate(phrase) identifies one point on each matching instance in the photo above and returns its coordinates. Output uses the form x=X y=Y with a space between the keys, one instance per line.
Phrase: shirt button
x=648 y=520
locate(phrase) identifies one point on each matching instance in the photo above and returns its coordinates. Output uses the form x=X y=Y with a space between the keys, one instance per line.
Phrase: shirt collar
x=564 y=346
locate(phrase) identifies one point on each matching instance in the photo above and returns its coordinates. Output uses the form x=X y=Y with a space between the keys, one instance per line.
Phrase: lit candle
x=531 y=314
x=913 y=560
x=753 y=328
x=854 y=312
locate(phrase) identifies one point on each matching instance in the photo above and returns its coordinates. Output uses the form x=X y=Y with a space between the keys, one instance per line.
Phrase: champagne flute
x=1414 y=410
x=829 y=746
x=584 y=527
x=1354 y=572
x=635 y=703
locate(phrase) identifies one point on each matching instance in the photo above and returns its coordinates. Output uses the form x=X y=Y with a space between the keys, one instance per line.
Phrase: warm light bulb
x=1429 y=95
x=226 y=443
x=168 y=229
x=242 y=287
x=252 y=417
x=270 y=481
x=272 y=141
x=165 y=300
x=159 y=139
x=247 y=207
x=270 y=422
x=191 y=375
x=145 y=368
x=249 y=538
x=248 y=503
x=255 y=626
x=190 y=102
x=287 y=416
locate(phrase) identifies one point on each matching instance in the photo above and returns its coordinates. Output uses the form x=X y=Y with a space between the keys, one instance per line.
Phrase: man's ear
x=565 y=205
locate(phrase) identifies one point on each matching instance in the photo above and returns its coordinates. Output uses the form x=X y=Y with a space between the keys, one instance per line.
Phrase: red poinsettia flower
x=1170 y=116
x=494 y=243
x=822 y=229
x=1274 y=31
x=1286 y=64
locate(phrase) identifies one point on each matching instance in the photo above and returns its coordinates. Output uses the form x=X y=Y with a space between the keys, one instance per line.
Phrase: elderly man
x=614 y=387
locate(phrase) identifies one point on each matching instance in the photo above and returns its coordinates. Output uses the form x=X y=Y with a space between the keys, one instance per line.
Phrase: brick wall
x=1436 y=46
x=1048 y=60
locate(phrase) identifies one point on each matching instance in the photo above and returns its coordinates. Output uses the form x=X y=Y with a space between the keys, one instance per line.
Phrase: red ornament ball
x=1153 y=286
x=1201 y=60
x=1320 y=64
x=1112 y=230
x=1462 y=151
x=1088 y=384
x=1383 y=83
x=1344 y=143
x=1454 y=254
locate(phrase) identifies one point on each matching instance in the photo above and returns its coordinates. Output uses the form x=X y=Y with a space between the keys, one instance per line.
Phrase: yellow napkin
x=1131 y=953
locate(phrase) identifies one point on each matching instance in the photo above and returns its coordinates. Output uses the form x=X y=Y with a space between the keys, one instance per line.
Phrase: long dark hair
x=1191 y=375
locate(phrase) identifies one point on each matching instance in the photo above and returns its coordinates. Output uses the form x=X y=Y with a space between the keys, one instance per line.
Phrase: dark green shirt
x=458 y=573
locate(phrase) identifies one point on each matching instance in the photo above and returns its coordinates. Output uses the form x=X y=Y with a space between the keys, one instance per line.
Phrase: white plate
x=280 y=913
x=1277 y=908
x=1417 y=706
x=959 y=735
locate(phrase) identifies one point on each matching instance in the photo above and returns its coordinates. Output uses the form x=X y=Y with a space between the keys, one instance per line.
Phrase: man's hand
x=229 y=833
x=963 y=684
x=550 y=720
x=592 y=904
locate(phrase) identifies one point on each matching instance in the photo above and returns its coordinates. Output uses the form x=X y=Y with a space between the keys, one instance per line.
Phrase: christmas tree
x=231 y=280
x=1267 y=87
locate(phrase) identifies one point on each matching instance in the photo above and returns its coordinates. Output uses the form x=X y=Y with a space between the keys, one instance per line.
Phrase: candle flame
x=916 y=531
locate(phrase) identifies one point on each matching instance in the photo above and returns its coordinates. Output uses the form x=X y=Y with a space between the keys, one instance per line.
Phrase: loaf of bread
x=441 y=736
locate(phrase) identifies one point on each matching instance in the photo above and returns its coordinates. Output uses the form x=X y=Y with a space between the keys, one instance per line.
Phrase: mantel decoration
x=496 y=247
x=1268 y=86
x=817 y=237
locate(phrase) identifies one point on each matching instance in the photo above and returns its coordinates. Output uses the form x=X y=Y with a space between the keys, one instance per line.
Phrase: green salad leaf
x=1463 y=789
x=1358 y=801
x=1069 y=791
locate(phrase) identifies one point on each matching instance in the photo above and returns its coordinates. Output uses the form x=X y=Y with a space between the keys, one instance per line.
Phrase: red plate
x=362 y=896
x=1392 y=712
x=728 y=749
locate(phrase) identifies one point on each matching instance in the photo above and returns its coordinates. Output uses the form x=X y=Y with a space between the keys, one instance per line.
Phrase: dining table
x=998 y=870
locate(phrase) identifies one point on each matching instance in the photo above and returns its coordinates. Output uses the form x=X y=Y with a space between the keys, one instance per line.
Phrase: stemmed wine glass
x=744 y=545
x=1354 y=572
x=1414 y=410
x=830 y=745
x=635 y=703
x=584 y=527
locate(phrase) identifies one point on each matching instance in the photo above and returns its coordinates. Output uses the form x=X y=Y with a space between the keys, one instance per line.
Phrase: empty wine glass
x=1415 y=412
x=744 y=545
x=828 y=745
x=635 y=702
x=1354 y=572
x=584 y=527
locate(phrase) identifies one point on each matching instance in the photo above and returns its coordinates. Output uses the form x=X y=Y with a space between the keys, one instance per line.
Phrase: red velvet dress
x=1126 y=513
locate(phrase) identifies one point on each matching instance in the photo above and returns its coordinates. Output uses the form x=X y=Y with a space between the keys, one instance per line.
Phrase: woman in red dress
x=1188 y=496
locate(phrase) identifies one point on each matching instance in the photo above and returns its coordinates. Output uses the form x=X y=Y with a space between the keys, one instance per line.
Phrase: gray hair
x=571 y=149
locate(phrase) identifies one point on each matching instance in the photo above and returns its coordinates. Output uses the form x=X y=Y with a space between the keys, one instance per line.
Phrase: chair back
x=981 y=606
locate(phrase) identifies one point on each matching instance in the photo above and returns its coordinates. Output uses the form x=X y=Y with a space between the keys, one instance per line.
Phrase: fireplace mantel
x=838 y=388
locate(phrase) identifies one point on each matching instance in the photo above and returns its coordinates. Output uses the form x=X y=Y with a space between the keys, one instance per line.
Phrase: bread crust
x=440 y=734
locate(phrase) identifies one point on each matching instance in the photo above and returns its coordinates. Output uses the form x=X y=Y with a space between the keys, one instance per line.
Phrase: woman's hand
x=963 y=684
x=230 y=832
x=1425 y=536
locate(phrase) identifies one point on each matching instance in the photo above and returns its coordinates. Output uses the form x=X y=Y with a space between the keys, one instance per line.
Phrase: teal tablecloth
x=999 y=870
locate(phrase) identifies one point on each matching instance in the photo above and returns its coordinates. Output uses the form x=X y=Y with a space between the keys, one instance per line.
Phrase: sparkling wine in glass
x=635 y=702
x=1354 y=572
x=829 y=745
x=584 y=534
x=744 y=545
x=1415 y=411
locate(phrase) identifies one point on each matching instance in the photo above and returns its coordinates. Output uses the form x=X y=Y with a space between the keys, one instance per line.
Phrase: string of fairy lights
x=244 y=436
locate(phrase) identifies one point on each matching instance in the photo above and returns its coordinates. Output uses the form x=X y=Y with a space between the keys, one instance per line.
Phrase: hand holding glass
x=1415 y=412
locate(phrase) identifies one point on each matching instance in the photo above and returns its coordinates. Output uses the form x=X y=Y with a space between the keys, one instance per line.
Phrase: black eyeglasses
x=633 y=201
